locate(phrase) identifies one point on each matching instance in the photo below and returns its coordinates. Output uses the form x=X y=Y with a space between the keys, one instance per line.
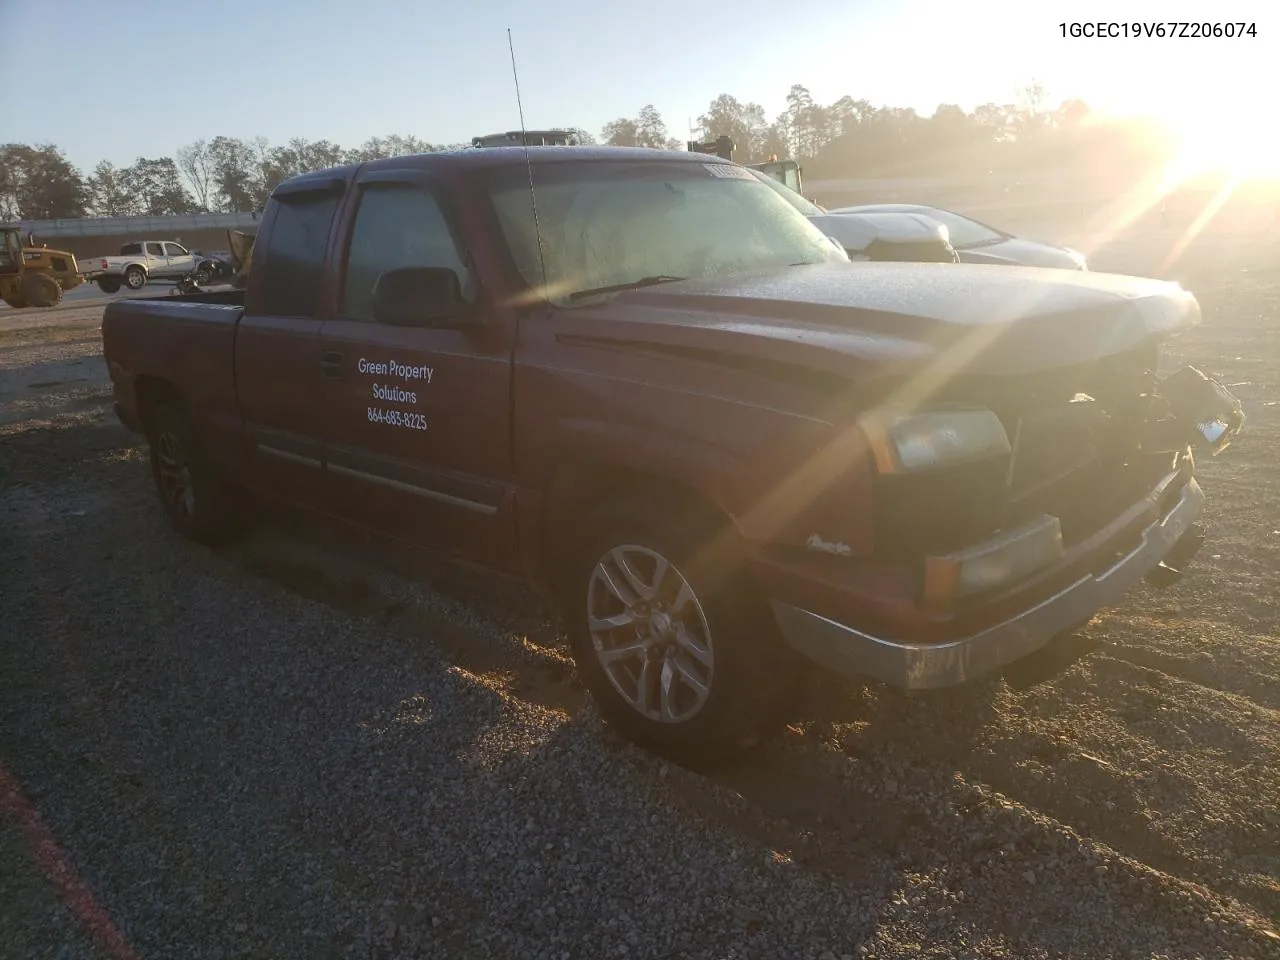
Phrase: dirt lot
x=286 y=750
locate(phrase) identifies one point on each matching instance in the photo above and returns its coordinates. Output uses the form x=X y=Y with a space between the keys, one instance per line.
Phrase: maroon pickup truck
x=652 y=389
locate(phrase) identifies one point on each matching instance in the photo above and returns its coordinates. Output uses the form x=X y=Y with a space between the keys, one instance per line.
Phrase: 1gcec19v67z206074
x=677 y=408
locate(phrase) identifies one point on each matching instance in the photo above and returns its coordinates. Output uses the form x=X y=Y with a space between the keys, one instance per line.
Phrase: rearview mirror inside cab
x=420 y=297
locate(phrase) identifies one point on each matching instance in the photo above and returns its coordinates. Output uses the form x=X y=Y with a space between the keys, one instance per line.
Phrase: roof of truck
x=482 y=157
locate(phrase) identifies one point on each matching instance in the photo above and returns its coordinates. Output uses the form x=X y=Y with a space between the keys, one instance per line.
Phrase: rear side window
x=293 y=273
x=131 y=250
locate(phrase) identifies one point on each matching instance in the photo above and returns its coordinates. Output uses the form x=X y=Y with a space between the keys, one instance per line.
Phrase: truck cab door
x=157 y=262
x=280 y=379
x=417 y=419
x=179 y=261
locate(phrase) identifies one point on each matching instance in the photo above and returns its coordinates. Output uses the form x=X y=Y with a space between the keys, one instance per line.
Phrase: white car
x=138 y=264
x=894 y=235
x=978 y=243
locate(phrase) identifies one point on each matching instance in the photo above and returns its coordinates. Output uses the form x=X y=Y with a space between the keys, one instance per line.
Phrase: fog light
x=1004 y=559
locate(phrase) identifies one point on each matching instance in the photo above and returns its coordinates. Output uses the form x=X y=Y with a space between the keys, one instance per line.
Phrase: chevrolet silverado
x=644 y=383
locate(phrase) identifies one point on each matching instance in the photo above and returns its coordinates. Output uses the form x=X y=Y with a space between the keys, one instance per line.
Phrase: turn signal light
x=1004 y=559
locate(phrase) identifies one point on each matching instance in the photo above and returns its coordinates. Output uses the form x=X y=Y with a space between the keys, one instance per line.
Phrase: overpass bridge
x=100 y=236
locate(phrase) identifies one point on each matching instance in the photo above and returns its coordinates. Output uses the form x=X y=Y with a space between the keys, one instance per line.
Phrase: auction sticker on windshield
x=727 y=171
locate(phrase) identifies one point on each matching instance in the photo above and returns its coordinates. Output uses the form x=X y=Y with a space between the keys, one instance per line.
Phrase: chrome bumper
x=918 y=666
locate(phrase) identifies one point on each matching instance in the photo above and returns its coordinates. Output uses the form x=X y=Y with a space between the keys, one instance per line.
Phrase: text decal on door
x=394 y=393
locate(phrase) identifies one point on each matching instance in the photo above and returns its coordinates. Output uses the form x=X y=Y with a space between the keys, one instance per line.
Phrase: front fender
x=779 y=487
x=646 y=452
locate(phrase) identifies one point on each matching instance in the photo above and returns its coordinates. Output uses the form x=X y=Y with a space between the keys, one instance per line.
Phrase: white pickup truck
x=138 y=264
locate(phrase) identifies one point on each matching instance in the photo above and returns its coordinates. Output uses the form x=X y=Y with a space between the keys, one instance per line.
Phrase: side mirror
x=420 y=297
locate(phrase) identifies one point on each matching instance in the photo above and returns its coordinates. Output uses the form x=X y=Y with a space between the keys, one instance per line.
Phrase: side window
x=131 y=250
x=396 y=226
x=173 y=250
x=293 y=273
x=155 y=250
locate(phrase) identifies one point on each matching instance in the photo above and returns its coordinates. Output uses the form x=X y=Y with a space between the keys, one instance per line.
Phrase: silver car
x=979 y=243
x=874 y=235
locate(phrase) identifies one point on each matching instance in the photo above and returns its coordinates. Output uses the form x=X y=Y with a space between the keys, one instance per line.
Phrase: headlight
x=934 y=439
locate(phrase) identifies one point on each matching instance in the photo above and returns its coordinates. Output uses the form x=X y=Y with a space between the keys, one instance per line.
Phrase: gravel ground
x=305 y=746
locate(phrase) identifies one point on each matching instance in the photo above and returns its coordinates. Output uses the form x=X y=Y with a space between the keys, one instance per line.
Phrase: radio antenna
x=528 y=162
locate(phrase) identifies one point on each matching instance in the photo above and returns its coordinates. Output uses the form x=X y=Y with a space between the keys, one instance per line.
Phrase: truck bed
x=222 y=298
x=185 y=341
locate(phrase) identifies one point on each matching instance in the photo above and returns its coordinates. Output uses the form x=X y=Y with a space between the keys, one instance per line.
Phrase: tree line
x=847 y=138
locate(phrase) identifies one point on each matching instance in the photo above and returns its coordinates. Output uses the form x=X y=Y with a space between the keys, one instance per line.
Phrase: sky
x=146 y=77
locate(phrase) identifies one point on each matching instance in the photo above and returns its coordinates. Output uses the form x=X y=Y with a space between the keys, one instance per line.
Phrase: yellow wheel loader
x=786 y=172
x=34 y=276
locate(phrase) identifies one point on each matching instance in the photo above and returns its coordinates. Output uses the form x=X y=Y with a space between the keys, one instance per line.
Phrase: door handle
x=331 y=364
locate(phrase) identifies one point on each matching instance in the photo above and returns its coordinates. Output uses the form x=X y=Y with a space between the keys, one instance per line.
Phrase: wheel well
x=580 y=486
x=151 y=393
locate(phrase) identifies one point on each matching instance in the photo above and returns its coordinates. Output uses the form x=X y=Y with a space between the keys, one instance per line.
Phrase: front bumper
x=917 y=666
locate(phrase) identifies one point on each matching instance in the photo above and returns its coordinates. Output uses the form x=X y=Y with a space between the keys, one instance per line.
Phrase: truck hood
x=857 y=319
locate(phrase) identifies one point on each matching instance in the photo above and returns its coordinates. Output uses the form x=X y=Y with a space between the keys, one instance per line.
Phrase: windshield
x=789 y=195
x=615 y=222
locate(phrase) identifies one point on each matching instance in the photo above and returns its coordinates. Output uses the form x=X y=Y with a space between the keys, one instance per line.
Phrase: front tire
x=135 y=278
x=677 y=649
x=195 y=498
x=41 y=290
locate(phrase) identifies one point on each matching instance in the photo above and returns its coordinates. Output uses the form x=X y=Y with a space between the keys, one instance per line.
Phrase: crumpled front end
x=1083 y=488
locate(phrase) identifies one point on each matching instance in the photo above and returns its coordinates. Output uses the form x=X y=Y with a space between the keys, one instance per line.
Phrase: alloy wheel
x=175 y=475
x=650 y=633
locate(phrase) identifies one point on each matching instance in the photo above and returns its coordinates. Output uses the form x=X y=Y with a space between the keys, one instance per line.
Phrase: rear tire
x=135 y=278
x=41 y=290
x=16 y=302
x=196 y=499
x=109 y=284
x=693 y=670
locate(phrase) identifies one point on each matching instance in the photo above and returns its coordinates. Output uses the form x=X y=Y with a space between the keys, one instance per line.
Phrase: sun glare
x=1232 y=143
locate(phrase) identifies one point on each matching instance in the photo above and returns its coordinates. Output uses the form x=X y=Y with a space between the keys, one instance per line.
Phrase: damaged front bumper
x=1172 y=535
x=1151 y=539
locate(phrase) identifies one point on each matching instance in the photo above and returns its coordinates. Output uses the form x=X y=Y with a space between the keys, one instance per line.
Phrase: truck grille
x=1072 y=458
x=1057 y=457
x=1074 y=455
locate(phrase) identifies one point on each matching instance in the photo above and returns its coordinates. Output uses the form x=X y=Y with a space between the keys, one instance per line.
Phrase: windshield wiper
x=631 y=285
